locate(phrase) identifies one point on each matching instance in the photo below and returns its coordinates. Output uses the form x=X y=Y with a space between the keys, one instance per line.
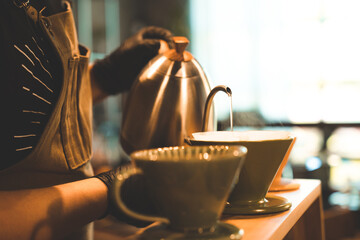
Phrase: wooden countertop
x=304 y=220
x=276 y=226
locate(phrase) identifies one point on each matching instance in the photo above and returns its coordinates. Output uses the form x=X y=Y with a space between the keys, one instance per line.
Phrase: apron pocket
x=76 y=124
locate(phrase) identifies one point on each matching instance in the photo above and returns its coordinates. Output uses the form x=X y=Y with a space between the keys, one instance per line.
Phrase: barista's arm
x=97 y=93
x=53 y=212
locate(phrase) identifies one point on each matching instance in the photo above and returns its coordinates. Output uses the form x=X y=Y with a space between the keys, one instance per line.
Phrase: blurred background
x=291 y=64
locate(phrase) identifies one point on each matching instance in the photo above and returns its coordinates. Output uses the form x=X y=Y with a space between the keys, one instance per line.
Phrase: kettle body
x=166 y=102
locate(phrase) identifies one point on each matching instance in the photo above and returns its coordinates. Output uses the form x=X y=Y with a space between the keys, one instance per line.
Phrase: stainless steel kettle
x=166 y=102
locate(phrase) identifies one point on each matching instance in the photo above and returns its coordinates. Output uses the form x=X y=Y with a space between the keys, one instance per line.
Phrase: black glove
x=116 y=72
x=135 y=196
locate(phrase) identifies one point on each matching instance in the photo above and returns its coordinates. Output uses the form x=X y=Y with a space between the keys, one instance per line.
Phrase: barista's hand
x=116 y=72
x=134 y=194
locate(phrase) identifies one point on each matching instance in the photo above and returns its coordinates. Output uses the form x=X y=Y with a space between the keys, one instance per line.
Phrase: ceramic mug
x=266 y=150
x=188 y=186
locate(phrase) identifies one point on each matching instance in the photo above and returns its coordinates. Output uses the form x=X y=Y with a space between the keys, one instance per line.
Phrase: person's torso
x=46 y=86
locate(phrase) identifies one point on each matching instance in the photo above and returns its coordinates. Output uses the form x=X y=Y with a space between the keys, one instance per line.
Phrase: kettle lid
x=176 y=62
x=179 y=53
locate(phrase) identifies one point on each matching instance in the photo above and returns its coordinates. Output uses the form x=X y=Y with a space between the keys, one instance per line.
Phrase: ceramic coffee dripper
x=283 y=184
x=189 y=187
x=266 y=150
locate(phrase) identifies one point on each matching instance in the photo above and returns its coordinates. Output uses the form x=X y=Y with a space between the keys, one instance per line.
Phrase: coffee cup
x=266 y=150
x=188 y=186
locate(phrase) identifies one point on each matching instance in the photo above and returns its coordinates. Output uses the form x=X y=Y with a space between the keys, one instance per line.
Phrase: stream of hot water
x=231 y=113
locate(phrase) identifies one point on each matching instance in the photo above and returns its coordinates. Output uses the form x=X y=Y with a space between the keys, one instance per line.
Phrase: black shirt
x=30 y=75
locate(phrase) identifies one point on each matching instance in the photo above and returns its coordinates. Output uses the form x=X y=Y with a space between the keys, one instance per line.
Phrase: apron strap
x=21 y=3
x=30 y=10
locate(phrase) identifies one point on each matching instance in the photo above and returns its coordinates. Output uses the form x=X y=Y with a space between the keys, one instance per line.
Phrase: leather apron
x=64 y=149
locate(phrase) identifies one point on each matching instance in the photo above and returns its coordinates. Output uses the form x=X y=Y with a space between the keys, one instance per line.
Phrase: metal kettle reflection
x=166 y=102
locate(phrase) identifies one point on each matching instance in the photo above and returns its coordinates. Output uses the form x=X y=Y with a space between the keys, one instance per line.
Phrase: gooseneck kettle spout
x=208 y=103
